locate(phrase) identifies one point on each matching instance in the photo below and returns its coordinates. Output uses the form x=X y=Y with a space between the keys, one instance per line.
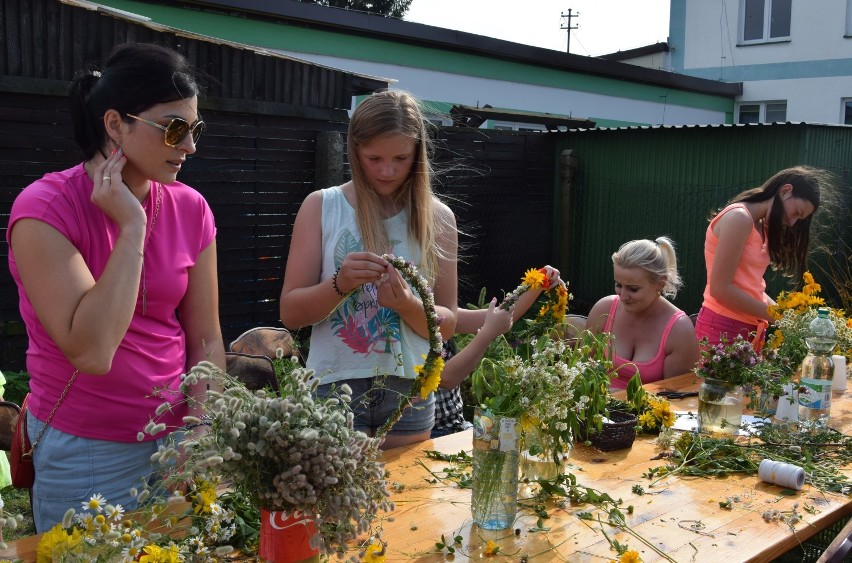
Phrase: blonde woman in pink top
x=651 y=334
x=769 y=225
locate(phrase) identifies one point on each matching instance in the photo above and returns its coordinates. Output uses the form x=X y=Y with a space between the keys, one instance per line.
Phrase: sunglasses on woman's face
x=176 y=130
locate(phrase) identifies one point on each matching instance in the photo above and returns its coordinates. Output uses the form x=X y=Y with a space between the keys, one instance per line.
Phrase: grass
x=17 y=501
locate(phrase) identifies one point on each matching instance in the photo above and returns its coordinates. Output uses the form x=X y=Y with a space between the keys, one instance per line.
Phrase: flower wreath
x=429 y=373
x=557 y=295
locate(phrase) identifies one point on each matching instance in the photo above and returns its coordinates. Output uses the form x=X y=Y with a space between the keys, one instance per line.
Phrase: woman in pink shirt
x=115 y=263
x=651 y=335
x=761 y=226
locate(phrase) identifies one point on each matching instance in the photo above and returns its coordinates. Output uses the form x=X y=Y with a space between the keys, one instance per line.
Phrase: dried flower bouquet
x=293 y=453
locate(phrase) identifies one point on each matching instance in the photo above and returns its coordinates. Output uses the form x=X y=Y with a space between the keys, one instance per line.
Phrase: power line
x=568 y=26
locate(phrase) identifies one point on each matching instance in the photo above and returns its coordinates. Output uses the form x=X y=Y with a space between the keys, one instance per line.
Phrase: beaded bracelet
x=334 y=284
x=205 y=420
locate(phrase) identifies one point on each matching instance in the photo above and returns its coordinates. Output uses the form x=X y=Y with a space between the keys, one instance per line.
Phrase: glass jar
x=536 y=461
x=720 y=406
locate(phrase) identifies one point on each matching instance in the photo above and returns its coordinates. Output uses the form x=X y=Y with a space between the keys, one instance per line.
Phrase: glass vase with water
x=720 y=406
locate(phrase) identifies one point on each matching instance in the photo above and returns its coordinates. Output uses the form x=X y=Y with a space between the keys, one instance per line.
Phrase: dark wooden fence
x=255 y=170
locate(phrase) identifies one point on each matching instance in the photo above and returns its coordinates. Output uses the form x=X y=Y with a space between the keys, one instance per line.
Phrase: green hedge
x=17 y=386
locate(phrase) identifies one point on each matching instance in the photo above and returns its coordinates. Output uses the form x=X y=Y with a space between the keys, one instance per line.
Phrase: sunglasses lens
x=176 y=132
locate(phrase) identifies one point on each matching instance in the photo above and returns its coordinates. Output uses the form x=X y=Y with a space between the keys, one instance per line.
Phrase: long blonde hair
x=387 y=113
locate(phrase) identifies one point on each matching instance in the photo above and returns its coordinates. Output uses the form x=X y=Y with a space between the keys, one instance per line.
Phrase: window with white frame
x=846 y=112
x=762 y=112
x=764 y=20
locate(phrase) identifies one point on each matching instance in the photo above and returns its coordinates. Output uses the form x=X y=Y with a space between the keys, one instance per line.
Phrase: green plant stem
x=623 y=527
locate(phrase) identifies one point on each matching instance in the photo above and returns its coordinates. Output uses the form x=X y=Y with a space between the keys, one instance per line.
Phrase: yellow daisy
x=429 y=380
x=157 y=554
x=57 y=542
x=205 y=495
x=491 y=549
x=534 y=278
x=375 y=553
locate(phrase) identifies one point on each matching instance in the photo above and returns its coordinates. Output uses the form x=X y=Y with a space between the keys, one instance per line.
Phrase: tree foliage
x=392 y=8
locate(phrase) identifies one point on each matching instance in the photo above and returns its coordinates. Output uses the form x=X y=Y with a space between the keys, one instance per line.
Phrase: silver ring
x=107 y=178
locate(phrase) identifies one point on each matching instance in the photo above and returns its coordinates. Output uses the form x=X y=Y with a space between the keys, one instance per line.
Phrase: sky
x=605 y=26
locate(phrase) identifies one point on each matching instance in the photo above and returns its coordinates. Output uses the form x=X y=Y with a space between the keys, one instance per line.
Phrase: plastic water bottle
x=817 y=373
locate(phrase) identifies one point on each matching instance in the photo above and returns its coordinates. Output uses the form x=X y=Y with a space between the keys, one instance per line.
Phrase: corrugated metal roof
x=716 y=126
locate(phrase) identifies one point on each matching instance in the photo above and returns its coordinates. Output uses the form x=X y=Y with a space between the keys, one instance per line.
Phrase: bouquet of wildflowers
x=164 y=530
x=543 y=381
x=654 y=412
x=793 y=314
x=551 y=313
x=737 y=363
x=556 y=390
x=732 y=361
x=294 y=453
x=552 y=393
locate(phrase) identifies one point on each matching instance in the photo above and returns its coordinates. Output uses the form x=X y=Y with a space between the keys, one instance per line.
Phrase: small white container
x=783 y=474
x=838 y=382
x=788 y=405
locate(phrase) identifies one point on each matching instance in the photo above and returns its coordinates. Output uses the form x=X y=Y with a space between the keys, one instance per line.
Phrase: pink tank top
x=649 y=371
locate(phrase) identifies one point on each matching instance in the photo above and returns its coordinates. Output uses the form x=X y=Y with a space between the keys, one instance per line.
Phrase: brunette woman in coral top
x=769 y=225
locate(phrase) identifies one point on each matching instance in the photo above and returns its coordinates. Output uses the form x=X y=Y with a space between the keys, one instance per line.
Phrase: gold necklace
x=145 y=246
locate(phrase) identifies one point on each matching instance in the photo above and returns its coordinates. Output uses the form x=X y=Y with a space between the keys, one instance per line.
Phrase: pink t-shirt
x=748 y=276
x=152 y=355
x=649 y=371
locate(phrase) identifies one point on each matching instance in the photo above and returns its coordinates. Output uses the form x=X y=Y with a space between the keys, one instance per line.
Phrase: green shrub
x=17 y=386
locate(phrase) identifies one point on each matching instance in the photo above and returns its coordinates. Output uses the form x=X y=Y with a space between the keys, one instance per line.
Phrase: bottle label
x=815 y=393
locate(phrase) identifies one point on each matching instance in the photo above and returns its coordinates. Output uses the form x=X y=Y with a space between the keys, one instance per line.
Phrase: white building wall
x=815 y=100
x=817 y=30
x=506 y=94
x=811 y=70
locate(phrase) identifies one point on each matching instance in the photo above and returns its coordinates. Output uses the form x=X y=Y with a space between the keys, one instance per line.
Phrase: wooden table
x=664 y=515
x=427 y=508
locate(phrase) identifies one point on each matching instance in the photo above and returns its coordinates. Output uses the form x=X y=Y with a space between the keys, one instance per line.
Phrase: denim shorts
x=375 y=399
x=70 y=469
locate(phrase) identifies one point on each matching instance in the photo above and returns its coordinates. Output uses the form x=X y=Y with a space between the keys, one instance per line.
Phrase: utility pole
x=568 y=26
